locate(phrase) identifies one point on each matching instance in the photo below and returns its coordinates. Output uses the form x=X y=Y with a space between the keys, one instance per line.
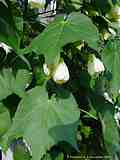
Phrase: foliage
x=78 y=116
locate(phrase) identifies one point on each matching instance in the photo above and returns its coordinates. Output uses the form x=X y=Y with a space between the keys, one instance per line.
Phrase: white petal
x=46 y=69
x=99 y=65
x=9 y=155
x=61 y=73
x=108 y=98
x=3 y=156
x=112 y=31
x=95 y=65
x=5 y=47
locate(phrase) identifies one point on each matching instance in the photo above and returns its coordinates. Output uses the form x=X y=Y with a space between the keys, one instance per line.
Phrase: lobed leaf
x=43 y=122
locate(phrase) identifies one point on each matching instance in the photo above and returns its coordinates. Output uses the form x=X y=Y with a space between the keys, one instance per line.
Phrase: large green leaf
x=43 y=122
x=111 y=59
x=13 y=84
x=5 y=120
x=8 y=32
x=60 y=32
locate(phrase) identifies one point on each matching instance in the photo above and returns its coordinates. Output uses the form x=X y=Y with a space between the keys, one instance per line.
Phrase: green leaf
x=60 y=32
x=111 y=59
x=8 y=32
x=5 y=120
x=21 y=152
x=103 y=6
x=23 y=79
x=51 y=156
x=43 y=122
x=109 y=127
x=10 y=84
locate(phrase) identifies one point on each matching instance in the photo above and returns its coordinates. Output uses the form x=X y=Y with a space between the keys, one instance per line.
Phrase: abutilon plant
x=59 y=79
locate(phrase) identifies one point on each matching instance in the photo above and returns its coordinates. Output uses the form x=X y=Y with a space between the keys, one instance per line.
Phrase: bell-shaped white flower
x=8 y=155
x=5 y=47
x=95 y=65
x=46 y=69
x=61 y=73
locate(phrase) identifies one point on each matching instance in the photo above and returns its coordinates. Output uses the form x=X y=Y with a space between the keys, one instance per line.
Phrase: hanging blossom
x=5 y=47
x=8 y=155
x=60 y=74
x=95 y=65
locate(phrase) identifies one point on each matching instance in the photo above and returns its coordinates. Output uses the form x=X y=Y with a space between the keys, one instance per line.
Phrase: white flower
x=61 y=73
x=95 y=65
x=8 y=155
x=5 y=47
x=112 y=31
x=46 y=69
x=108 y=98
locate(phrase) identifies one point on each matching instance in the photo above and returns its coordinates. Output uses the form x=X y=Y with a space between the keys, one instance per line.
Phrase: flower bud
x=108 y=98
x=5 y=47
x=46 y=69
x=95 y=65
x=61 y=73
x=112 y=31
